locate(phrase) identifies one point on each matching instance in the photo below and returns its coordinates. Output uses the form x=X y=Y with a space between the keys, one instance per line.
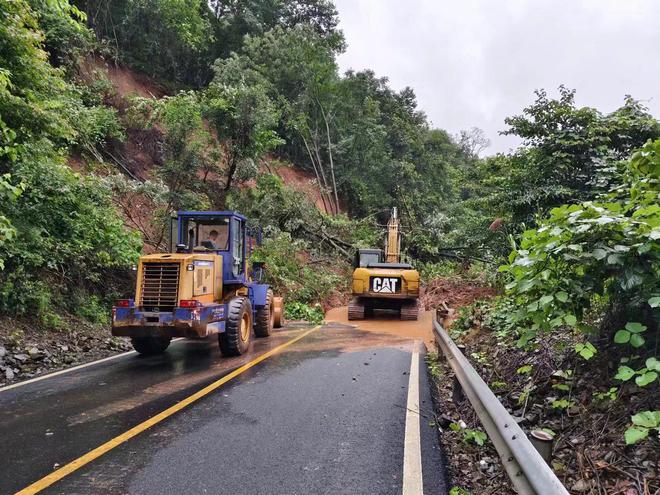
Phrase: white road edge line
x=68 y=370
x=412 y=449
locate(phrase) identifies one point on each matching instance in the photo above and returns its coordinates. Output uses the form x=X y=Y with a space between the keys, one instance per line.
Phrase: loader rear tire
x=265 y=318
x=235 y=340
x=149 y=346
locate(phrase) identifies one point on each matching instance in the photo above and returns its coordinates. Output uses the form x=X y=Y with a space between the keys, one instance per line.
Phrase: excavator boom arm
x=393 y=241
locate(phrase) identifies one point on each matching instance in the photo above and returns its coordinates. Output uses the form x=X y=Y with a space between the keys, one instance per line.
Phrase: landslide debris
x=27 y=351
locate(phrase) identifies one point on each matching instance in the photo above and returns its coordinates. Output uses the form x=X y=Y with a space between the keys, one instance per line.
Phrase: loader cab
x=366 y=257
x=219 y=232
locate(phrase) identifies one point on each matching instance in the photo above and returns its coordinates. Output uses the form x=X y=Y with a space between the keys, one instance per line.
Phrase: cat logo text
x=385 y=285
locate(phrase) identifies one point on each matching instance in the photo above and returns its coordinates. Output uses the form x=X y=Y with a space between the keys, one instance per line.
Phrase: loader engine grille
x=160 y=286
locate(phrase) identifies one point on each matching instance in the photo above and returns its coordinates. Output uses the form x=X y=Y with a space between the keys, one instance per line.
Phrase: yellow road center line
x=69 y=468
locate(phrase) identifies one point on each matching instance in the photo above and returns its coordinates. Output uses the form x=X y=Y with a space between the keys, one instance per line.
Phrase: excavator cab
x=366 y=257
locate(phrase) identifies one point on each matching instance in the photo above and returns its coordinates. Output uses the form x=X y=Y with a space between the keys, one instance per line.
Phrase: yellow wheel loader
x=205 y=286
x=382 y=281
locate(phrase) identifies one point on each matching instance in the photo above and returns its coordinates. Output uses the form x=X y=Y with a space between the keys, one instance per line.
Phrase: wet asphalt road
x=325 y=415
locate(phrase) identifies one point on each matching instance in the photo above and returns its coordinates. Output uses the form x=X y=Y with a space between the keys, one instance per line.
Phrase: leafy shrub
x=609 y=248
x=301 y=311
x=95 y=126
x=68 y=235
x=92 y=308
x=429 y=270
x=65 y=233
x=604 y=251
x=289 y=272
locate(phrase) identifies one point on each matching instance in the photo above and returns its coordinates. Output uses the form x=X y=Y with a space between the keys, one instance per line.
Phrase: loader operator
x=210 y=242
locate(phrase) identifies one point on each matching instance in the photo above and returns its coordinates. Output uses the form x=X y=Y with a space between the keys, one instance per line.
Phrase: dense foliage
x=569 y=154
x=60 y=235
x=176 y=41
x=606 y=248
x=592 y=270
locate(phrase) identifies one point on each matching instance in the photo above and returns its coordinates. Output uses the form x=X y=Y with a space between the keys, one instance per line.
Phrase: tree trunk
x=316 y=171
x=332 y=164
x=317 y=152
x=233 y=163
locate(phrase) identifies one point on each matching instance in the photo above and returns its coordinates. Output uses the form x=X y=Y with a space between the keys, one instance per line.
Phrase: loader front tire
x=149 y=346
x=238 y=328
x=265 y=317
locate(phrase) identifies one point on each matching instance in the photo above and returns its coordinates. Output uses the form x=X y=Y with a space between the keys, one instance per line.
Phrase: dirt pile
x=454 y=292
x=306 y=183
x=125 y=82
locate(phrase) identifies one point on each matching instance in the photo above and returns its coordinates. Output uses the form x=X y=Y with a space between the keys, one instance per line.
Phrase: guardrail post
x=542 y=441
x=457 y=394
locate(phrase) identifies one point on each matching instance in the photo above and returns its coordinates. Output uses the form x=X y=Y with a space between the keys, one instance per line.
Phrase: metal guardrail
x=527 y=470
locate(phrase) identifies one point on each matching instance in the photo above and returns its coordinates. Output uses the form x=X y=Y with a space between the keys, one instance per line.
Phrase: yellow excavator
x=382 y=281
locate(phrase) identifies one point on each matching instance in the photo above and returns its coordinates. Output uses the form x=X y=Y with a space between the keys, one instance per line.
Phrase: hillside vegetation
x=90 y=172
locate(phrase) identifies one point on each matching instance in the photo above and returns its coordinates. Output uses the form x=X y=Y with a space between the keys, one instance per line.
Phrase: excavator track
x=410 y=310
x=356 y=309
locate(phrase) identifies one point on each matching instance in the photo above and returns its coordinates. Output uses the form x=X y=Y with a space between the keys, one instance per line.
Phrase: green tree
x=66 y=235
x=255 y=18
x=169 y=40
x=244 y=118
x=569 y=153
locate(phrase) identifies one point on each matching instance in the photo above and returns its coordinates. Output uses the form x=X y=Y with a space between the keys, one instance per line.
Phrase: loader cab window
x=237 y=247
x=207 y=233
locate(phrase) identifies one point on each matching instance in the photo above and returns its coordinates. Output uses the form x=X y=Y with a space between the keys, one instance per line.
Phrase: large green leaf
x=635 y=327
x=545 y=300
x=653 y=364
x=634 y=435
x=614 y=259
x=624 y=373
x=646 y=378
x=636 y=340
x=647 y=419
x=622 y=337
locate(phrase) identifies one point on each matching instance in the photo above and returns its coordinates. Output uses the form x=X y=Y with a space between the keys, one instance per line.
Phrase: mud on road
x=388 y=322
